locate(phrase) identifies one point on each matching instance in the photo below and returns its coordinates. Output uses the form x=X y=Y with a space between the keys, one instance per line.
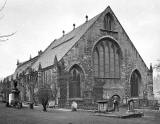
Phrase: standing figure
x=74 y=106
x=116 y=105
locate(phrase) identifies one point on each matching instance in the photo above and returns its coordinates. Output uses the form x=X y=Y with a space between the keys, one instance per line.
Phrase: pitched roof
x=24 y=66
x=62 y=45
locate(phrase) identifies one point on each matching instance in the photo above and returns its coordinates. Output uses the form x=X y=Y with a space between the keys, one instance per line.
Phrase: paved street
x=36 y=116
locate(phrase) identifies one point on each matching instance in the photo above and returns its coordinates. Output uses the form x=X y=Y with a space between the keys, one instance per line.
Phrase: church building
x=95 y=61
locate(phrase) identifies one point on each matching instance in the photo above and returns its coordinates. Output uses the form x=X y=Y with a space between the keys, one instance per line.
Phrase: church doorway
x=135 y=82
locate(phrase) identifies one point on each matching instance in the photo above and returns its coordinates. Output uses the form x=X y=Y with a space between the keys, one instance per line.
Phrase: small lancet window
x=108 y=22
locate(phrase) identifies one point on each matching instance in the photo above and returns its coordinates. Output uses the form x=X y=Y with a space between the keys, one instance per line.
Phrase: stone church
x=95 y=61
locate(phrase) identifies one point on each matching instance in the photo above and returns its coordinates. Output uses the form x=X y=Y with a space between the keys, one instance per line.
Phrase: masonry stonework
x=68 y=65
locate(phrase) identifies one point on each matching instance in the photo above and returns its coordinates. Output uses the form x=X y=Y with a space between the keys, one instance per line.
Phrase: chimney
x=63 y=32
x=86 y=18
x=74 y=26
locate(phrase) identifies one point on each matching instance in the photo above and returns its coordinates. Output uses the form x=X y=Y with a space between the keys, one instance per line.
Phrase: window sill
x=111 y=31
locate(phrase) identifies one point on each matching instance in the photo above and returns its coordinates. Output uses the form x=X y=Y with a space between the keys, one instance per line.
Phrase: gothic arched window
x=135 y=82
x=74 y=85
x=106 y=59
x=108 y=22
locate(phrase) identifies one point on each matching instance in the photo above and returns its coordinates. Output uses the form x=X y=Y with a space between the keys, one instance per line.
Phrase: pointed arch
x=135 y=82
x=77 y=74
x=108 y=22
x=108 y=53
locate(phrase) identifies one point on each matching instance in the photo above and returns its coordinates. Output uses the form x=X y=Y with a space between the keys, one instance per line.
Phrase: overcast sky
x=38 y=22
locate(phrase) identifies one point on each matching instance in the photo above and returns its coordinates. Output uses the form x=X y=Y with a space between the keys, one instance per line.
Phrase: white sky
x=38 y=22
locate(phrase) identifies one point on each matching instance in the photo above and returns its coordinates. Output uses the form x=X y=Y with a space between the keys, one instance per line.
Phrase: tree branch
x=7 y=35
x=3 y=6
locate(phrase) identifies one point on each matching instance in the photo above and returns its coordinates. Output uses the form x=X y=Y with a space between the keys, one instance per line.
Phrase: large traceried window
x=106 y=59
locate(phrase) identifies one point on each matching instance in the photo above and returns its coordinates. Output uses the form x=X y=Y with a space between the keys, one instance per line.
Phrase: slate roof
x=24 y=66
x=62 y=45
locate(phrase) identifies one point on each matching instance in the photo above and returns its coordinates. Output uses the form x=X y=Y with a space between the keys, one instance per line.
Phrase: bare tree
x=4 y=37
x=44 y=95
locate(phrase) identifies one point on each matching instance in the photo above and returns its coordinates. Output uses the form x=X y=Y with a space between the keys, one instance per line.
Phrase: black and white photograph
x=79 y=62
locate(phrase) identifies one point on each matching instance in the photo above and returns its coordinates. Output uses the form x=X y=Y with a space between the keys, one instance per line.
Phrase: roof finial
x=74 y=25
x=151 y=68
x=39 y=52
x=86 y=18
x=63 y=32
x=55 y=60
x=30 y=57
x=17 y=61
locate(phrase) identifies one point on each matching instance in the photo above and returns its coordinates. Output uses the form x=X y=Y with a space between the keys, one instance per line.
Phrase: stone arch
x=135 y=83
x=109 y=38
x=116 y=96
x=115 y=55
x=78 y=64
x=75 y=83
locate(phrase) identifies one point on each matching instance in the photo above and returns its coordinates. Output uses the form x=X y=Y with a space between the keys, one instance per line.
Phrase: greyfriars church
x=94 y=61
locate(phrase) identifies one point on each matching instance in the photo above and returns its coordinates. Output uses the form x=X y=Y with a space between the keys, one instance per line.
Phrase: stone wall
x=81 y=54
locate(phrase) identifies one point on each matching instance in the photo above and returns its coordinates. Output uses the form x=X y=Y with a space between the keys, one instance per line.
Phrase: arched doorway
x=135 y=82
x=75 y=81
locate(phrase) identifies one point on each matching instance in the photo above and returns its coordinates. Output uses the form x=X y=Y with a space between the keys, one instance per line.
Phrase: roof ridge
x=62 y=45
x=88 y=27
x=76 y=29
